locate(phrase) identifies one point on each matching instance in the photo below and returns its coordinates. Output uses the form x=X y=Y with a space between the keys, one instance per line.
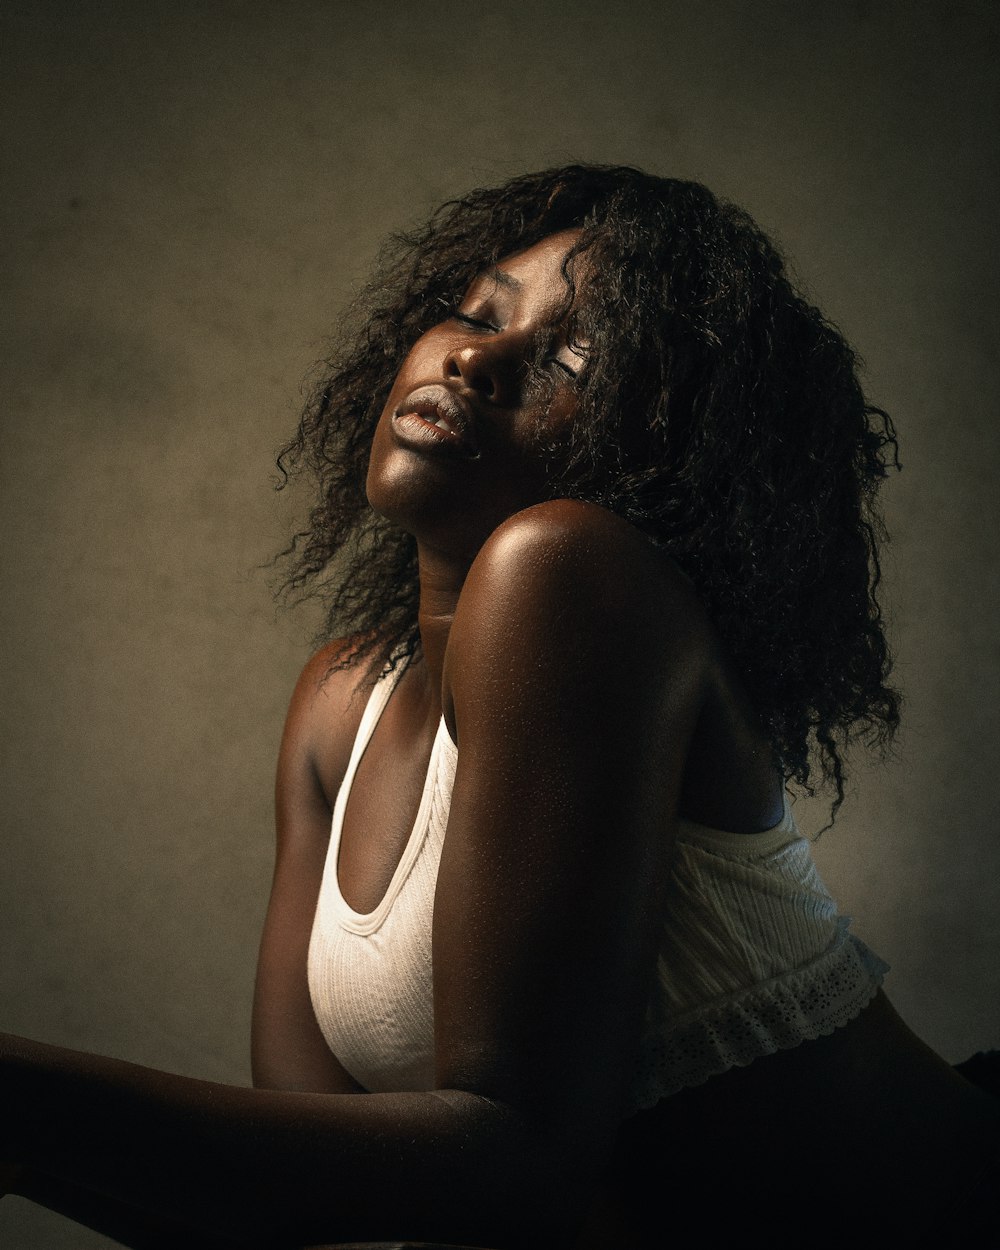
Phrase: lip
x=415 y=422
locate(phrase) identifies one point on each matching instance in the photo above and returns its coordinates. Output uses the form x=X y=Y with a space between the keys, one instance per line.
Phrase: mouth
x=434 y=417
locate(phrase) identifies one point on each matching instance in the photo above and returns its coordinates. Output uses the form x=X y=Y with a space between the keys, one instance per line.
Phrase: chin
x=403 y=496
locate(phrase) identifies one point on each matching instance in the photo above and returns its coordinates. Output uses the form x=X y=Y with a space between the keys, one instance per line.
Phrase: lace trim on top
x=796 y=1006
x=754 y=958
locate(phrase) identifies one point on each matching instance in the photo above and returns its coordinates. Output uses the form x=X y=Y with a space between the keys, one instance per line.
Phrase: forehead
x=533 y=275
x=543 y=257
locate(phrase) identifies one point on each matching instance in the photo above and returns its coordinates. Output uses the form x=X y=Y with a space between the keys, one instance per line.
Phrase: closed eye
x=475 y=322
x=561 y=364
x=570 y=358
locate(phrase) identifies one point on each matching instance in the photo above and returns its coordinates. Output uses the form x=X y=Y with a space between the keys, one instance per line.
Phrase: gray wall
x=191 y=191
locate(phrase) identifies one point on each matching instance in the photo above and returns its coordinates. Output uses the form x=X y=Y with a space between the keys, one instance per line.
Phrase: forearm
x=267 y=1167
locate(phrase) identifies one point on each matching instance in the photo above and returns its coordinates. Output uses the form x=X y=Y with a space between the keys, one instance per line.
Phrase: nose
x=484 y=366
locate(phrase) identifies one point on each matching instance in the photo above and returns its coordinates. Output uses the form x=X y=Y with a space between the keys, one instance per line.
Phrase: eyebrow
x=502 y=278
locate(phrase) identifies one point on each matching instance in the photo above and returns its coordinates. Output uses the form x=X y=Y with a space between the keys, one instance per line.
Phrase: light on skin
x=481 y=355
x=452 y=493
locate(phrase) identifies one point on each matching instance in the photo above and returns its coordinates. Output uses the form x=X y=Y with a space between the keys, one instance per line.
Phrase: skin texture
x=576 y=758
x=481 y=354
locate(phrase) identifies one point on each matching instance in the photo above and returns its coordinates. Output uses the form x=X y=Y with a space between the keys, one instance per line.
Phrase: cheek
x=564 y=408
x=555 y=427
x=422 y=363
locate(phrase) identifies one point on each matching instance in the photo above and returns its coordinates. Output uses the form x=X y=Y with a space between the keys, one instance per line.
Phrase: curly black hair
x=755 y=463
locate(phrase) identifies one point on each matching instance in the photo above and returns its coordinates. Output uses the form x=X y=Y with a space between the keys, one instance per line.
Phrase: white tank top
x=754 y=956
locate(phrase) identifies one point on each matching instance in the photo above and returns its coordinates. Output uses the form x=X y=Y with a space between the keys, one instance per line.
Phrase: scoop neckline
x=688 y=831
x=368 y=922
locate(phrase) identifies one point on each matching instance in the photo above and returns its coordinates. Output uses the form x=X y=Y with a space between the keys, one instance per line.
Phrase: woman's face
x=458 y=447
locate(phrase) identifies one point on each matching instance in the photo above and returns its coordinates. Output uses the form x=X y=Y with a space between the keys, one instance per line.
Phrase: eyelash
x=570 y=373
x=465 y=320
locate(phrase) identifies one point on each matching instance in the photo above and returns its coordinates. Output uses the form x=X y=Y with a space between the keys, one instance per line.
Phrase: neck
x=441 y=580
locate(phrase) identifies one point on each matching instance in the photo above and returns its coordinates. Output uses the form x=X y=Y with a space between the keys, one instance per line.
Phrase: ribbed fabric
x=754 y=956
x=370 y=975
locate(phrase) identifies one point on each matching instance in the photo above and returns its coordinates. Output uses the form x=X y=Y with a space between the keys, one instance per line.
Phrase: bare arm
x=573 y=681
x=575 y=672
x=288 y=1050
x=256 y=1166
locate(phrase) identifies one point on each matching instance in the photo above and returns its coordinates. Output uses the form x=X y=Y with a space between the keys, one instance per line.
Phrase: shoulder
x=564 y=532
x=329 y=681
x=324 y=713
x=569 y=581
x=568 y=552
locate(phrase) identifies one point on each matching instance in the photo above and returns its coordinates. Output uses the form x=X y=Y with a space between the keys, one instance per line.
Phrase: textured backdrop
x=191 y=191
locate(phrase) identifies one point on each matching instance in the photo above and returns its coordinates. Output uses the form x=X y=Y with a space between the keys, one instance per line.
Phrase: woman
x=600 y=487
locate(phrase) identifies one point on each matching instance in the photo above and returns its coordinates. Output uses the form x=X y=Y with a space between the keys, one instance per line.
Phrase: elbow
x=536 y=1180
